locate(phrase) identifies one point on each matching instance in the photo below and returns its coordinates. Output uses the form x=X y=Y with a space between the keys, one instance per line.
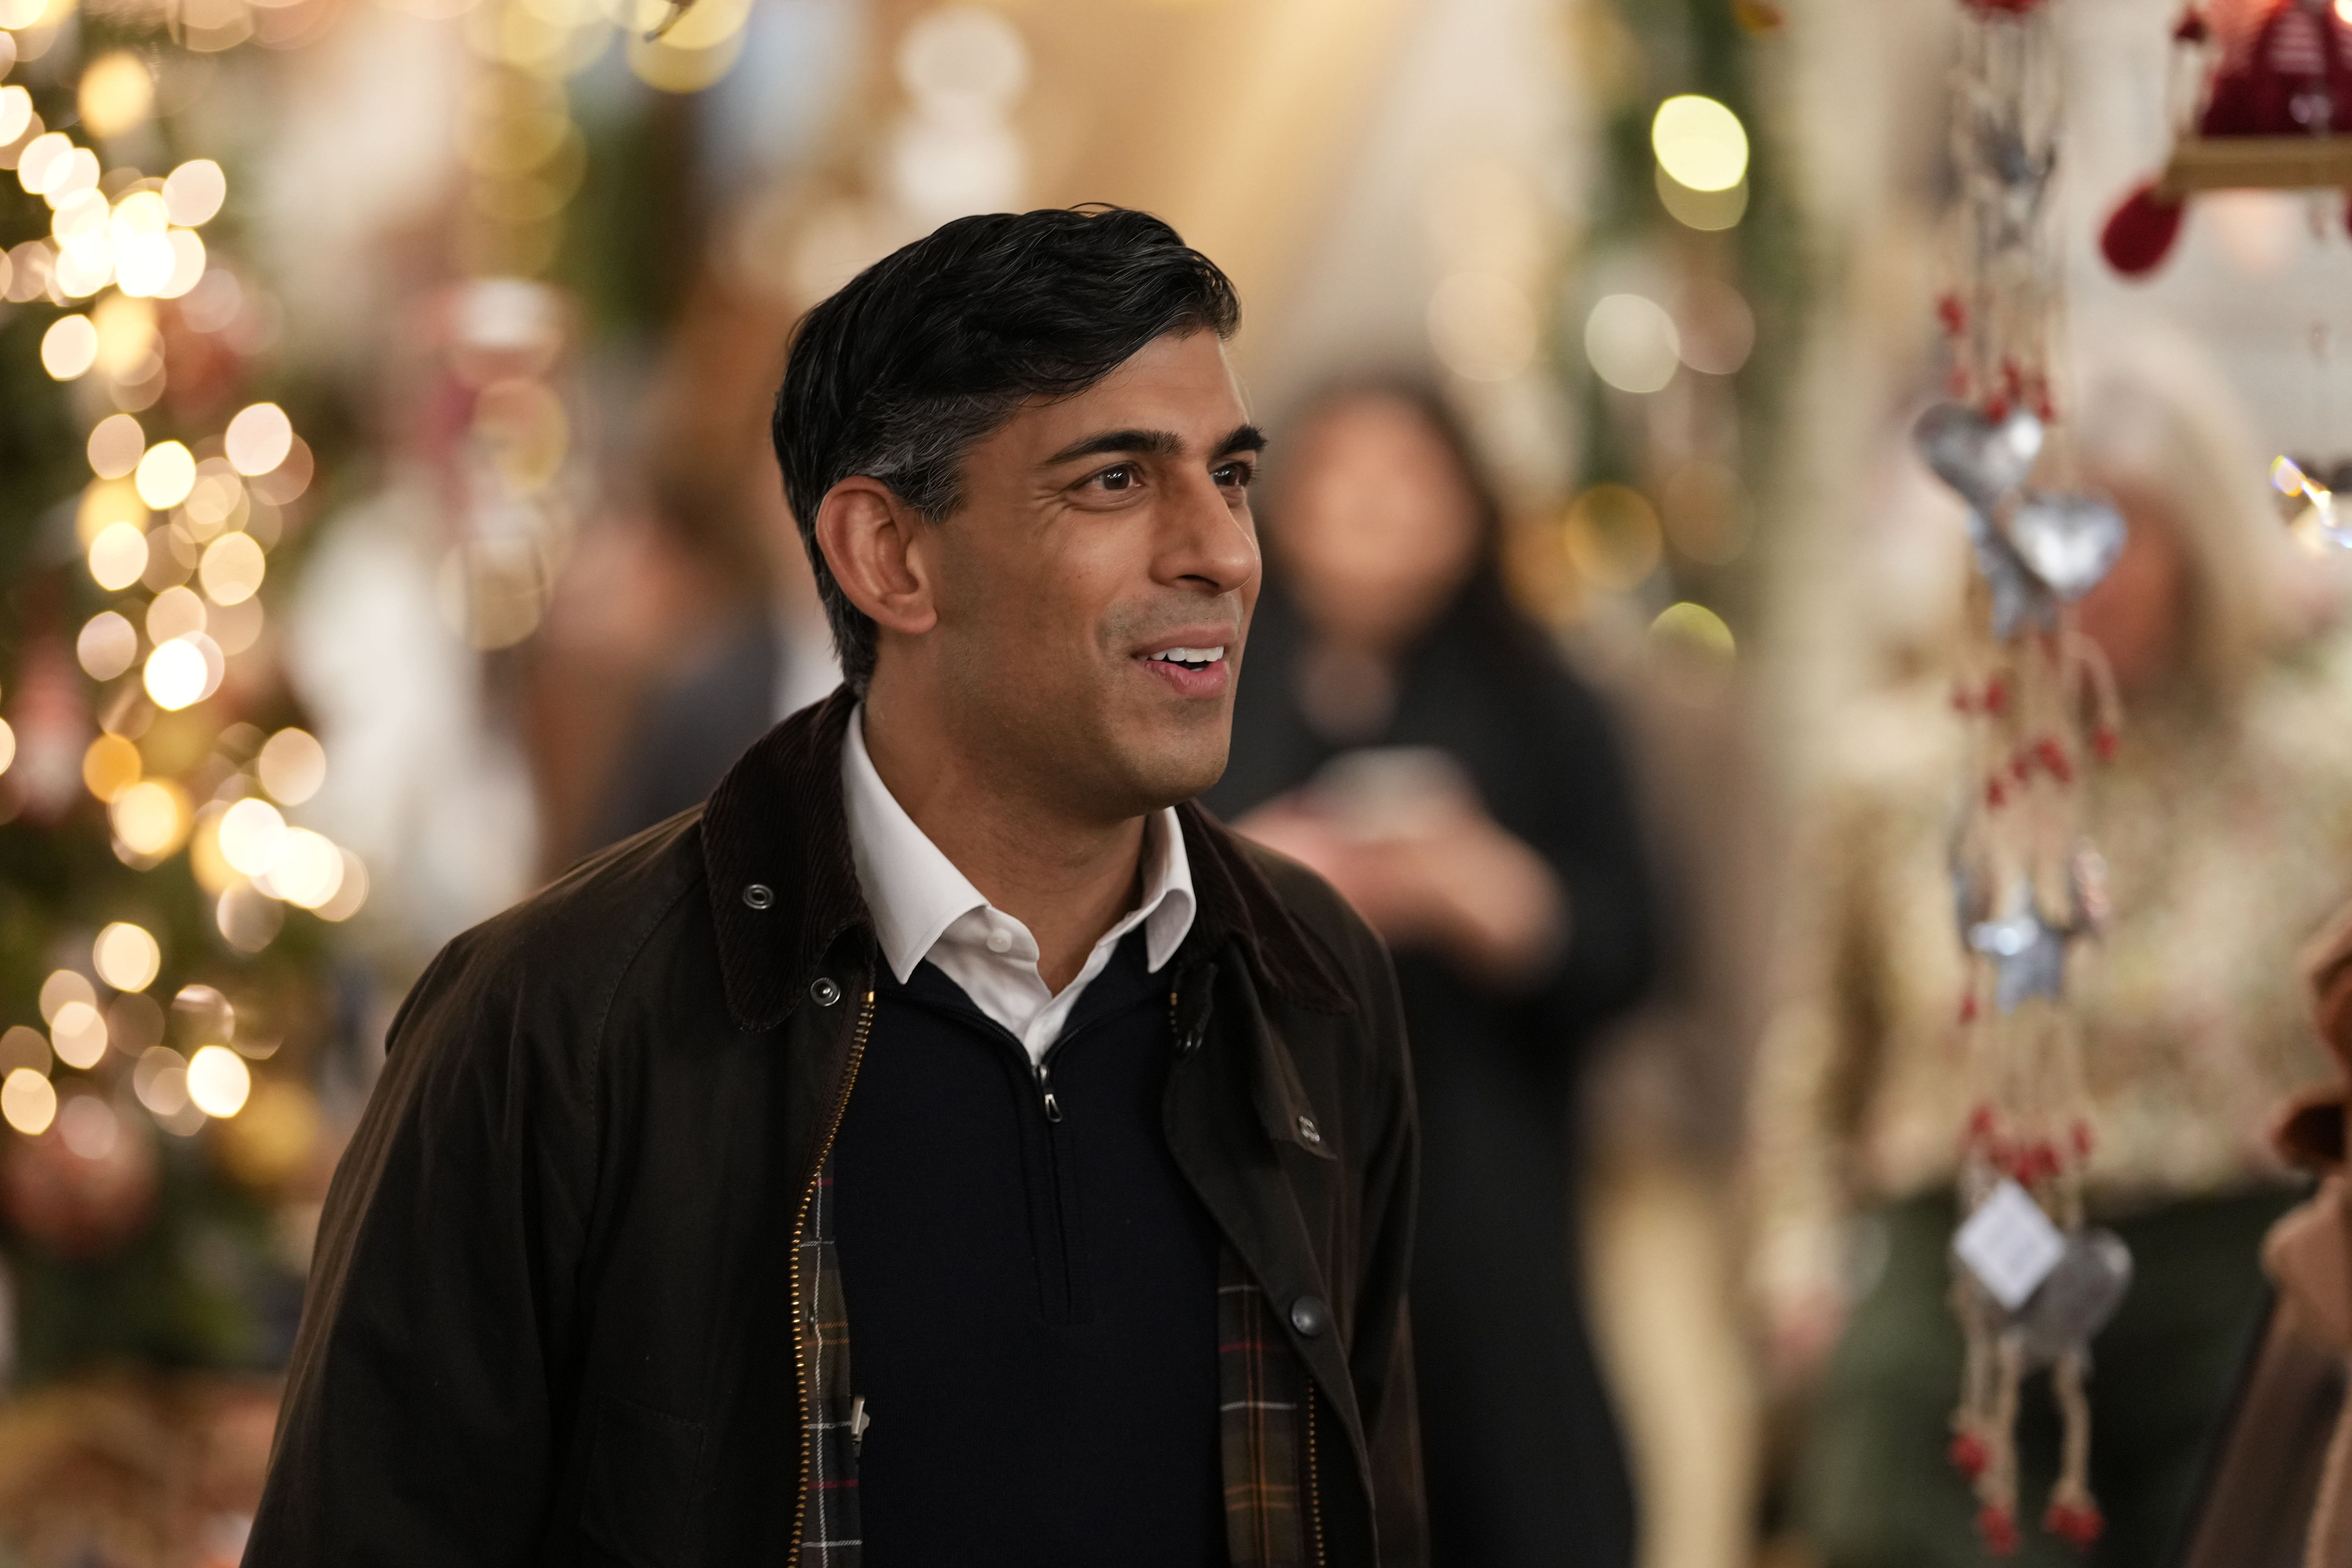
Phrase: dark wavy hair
x=932 y=348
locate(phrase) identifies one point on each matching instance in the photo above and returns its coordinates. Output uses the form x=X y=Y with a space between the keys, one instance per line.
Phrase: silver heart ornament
x=2068 y=542
x=1982 y=459
x=2074 y=1302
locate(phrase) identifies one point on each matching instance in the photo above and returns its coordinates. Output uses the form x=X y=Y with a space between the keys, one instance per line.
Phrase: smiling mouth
x=1188 y=657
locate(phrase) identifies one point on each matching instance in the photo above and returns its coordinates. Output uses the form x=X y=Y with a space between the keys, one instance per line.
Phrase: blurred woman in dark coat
x=1405 y=729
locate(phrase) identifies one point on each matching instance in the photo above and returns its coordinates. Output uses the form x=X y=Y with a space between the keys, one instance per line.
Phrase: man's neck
x=1068 y=879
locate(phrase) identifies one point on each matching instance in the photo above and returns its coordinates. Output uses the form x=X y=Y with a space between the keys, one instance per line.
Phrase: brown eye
x=1115 y=480
x=1235 y=476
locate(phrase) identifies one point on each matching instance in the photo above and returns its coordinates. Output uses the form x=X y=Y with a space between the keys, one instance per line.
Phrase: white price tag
x=2010 y=1245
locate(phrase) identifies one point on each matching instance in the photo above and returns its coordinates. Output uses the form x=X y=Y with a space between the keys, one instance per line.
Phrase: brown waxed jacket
x=551 y=1315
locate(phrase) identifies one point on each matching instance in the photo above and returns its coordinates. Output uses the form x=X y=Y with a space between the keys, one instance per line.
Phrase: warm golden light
x=116 y=444
x=151 y=817
x=108 y=644
x=177 y=675
x=127 y=956
x=16 y=113
x=258 y=439
x=160 y=1079
x=88 y=1126
x=1632 y=342
x=165 y=475
x=251 y=834
x=175 y=612
x=232 y=568
x=107 y=501
x=195 y=191
x=126 y=335
x=29 y=1102
x=62 y=986
x=116 y=94
x=308 y=872
x=7 y=746
x=1700 y=143
x=218 y=1080
x=292 y=765
x=77 y=1034
x=43 y=163
x=111 y=766
x=1613 y=538
x=117 y=556
x=351 y=895
x=1482 y=326
x=187 y=264
x=69 y=348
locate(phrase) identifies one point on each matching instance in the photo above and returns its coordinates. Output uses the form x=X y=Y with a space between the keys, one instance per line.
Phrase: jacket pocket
x=644 y=1502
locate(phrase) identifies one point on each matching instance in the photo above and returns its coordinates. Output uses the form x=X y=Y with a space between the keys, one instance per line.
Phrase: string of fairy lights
x=175 y=532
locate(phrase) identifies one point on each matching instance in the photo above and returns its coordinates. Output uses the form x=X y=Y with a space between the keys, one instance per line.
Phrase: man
x=950 y=1146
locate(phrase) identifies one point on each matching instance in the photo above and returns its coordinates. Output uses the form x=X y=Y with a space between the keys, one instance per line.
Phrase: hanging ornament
x=2262 y=100
x=2031 y=1283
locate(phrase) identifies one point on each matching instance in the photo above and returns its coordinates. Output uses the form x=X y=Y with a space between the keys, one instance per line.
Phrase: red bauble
x=2141 y=233
x=1998 y=1526
x=1967 y=1454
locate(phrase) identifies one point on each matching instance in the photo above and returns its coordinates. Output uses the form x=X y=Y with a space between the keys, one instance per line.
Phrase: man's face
x=1095 y=585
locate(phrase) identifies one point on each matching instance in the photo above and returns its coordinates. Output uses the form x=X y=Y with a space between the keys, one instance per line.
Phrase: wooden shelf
x=2258 y=162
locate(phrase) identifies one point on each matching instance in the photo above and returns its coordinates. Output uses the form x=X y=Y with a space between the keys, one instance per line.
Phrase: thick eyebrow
x=1154 y=444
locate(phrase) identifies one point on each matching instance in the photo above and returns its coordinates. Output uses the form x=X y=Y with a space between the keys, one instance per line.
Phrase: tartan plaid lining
x=1262 y=1413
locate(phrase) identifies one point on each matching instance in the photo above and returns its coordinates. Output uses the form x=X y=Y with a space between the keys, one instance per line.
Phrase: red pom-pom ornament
x=2141 y=233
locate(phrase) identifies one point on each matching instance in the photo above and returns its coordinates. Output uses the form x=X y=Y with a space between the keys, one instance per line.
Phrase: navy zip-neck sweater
x=1031 y=1287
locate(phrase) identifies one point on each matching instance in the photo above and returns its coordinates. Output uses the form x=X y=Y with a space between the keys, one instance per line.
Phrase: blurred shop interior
x=387 y=521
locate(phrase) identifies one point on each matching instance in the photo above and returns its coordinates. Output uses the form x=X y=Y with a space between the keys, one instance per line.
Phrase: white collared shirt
x=924 y=908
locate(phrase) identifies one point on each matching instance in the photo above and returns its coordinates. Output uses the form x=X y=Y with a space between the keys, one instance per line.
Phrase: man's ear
x=868 y=535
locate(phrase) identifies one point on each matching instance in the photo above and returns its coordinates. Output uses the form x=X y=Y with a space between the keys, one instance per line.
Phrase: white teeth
x=1190 y=655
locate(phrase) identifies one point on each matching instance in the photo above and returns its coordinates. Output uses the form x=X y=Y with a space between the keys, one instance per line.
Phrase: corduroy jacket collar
x=775 y=845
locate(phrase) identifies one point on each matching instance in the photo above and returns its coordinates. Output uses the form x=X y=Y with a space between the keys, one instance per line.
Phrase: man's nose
x=1212 y=543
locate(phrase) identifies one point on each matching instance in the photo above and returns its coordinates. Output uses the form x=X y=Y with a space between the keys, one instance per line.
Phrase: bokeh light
x=308 y=871
x=27 y=1050
x=110 y=766
x=177 y=675
x=160 y=1079
x=251 y=834
x=218 y=1080
x=1613 y=537
x=77 y=1034
x=116 y=444
x=258 y=439
x=16 y=113
x=193 y=192
x=1633 y=344
x=165 y=475
x=7 y=746
x=292 y=765
x=232 y=568
x=62 y=986
x=108 y=644
x=176 y=612
x=118 y=556
x=28 y=1102
x=126 y=956
x=69 y=347
x=1700 y=143
x=116 y=95
x=151 y=817
x=350 y=894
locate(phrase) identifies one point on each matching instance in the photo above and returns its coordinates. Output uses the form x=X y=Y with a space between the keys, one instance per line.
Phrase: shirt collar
x=914 y=892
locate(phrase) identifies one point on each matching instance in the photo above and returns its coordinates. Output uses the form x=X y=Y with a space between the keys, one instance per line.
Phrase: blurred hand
x=1438 y=874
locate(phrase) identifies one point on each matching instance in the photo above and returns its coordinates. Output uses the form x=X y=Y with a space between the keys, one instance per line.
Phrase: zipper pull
x=858 y=1421
x=1045 y=1083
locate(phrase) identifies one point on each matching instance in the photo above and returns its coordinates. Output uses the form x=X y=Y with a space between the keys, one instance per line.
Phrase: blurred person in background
x=1408 y=732
x=2225 y=820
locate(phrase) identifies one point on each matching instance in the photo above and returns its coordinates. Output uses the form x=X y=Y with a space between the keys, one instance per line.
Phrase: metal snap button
x=823 y=992
x=1308 y=1131
x=759 y=895
x=1309 y=1316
